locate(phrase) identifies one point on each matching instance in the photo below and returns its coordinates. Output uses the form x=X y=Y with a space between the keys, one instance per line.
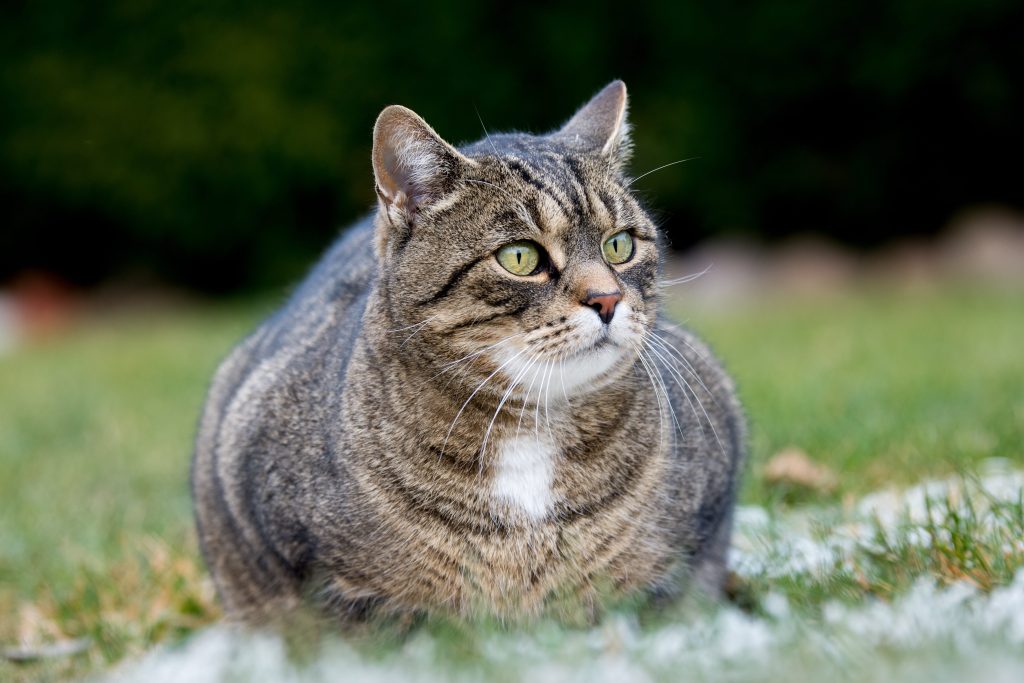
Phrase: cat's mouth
x=601 y=343
x=583 y=353
x=597 y=344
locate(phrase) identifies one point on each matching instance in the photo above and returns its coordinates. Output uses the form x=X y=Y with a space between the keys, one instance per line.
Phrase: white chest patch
x=524 y=473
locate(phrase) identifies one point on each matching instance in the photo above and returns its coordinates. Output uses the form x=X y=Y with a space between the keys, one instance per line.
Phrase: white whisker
x=508 y=392
x=450 y=365
x=547 y=393
x=657 y=382
x=688 y=345
x=561 y=374
x=419 y=324
x=418 y=329
x=664 y=345
x=536 y=410
x=685 y=386
x=655 y=170
x=479 y=386
x=526 y=398
x=675 y=374
x=685 y=278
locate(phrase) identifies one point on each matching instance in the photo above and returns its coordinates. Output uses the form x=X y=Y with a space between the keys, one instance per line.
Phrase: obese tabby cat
x=471 y=406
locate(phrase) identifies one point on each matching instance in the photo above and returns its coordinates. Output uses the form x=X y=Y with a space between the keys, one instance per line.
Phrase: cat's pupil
x=519 y=257
x=615 y=245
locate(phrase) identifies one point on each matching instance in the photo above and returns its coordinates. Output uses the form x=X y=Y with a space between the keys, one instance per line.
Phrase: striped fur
x=417 y=430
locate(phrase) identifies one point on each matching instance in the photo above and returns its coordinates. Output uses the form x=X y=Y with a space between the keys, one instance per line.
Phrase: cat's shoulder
x=326 y=306
x=346 y=268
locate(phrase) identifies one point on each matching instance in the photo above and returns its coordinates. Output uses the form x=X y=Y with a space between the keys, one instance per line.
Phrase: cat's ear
x=412 y=165
x=601 y=125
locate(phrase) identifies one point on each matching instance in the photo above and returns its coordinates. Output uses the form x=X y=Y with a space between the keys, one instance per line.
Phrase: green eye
x=519 y=258
x=618 y=248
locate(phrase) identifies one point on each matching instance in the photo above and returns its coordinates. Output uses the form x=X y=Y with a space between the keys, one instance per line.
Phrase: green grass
x=95 y=437
x=883 y=389
x=96 y=431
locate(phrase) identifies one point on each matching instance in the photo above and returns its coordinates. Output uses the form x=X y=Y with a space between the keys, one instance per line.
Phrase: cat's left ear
x=412 y=165
x=601 y=125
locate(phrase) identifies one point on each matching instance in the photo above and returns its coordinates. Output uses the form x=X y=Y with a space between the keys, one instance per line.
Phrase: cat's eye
x=519 y=258
x=618 y=248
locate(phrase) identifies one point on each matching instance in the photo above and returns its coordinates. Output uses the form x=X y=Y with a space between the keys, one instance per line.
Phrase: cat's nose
x=603 y=303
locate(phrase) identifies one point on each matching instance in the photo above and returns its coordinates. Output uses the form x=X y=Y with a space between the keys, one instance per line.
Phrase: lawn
x=887 y=391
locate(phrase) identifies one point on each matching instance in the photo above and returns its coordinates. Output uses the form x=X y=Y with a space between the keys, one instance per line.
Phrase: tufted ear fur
x=601 y=126
x=413 y=167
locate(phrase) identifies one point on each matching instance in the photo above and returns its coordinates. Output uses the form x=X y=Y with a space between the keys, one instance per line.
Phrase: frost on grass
x=925 y=584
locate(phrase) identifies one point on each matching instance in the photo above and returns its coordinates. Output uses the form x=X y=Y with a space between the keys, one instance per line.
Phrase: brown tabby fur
x=350 y=452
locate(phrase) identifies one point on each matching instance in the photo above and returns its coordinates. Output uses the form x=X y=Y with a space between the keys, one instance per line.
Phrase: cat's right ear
x=412 y=166
x=601 y=125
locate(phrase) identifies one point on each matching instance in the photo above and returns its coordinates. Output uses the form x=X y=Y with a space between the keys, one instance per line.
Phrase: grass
x=883 y=389
x=95 y=432
x=960 y=533
x=96 y=429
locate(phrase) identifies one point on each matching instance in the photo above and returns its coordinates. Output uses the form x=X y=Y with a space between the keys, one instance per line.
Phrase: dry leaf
x=793 y=467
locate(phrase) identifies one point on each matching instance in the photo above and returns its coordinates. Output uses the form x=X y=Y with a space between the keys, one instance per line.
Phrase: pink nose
x=603 y=303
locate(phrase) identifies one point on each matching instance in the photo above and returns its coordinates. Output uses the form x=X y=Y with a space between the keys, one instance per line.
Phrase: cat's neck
x=469 y=398
x=518 y=455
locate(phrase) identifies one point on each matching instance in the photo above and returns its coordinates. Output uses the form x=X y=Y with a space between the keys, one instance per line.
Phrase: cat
x=471 y=406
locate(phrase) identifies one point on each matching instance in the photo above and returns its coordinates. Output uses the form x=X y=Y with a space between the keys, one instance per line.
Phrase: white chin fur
x=577 y=368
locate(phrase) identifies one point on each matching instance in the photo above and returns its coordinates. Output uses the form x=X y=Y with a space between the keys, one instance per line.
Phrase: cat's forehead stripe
x=557 y=187
x=564 y=193
x=610 y=205
x=575 y=179
x=553 y=218
x=600 y=209
x=529 y=176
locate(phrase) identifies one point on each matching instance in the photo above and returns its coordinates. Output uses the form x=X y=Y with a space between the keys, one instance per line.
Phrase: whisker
x=536 y=410
x=479 y=386
x=661 y=405
x=487 y=135
x=416 y=331
x=547 y=394
x=654 y=337
x=654 y=353
x=655 y=170
x=449 y=365
x=467 y=361
x=526 y=398
x=499 y=188
x=409 y=327
x=686 y=278
x=561 y=374
x=501 y=403
x=682 y=338
x=685 y=386
x=668 y=396
x=656 y=383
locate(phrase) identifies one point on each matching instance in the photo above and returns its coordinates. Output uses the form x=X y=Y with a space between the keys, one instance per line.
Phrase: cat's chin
x=592 y=368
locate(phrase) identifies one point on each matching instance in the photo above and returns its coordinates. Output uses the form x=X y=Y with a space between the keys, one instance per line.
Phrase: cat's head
x=520 y=254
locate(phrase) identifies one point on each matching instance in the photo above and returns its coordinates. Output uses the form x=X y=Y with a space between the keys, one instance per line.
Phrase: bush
x=220 y=145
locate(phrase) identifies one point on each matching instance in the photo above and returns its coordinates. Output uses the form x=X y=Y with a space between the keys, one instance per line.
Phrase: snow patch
x=929 y=633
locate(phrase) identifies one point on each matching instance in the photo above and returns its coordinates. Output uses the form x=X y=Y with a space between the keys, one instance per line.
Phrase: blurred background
x=218 y=146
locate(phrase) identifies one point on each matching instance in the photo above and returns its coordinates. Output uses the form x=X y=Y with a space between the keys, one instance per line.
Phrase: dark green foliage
x=221 y=144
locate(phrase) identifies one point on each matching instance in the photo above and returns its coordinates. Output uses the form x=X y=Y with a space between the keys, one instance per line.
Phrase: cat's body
x=419 y=430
